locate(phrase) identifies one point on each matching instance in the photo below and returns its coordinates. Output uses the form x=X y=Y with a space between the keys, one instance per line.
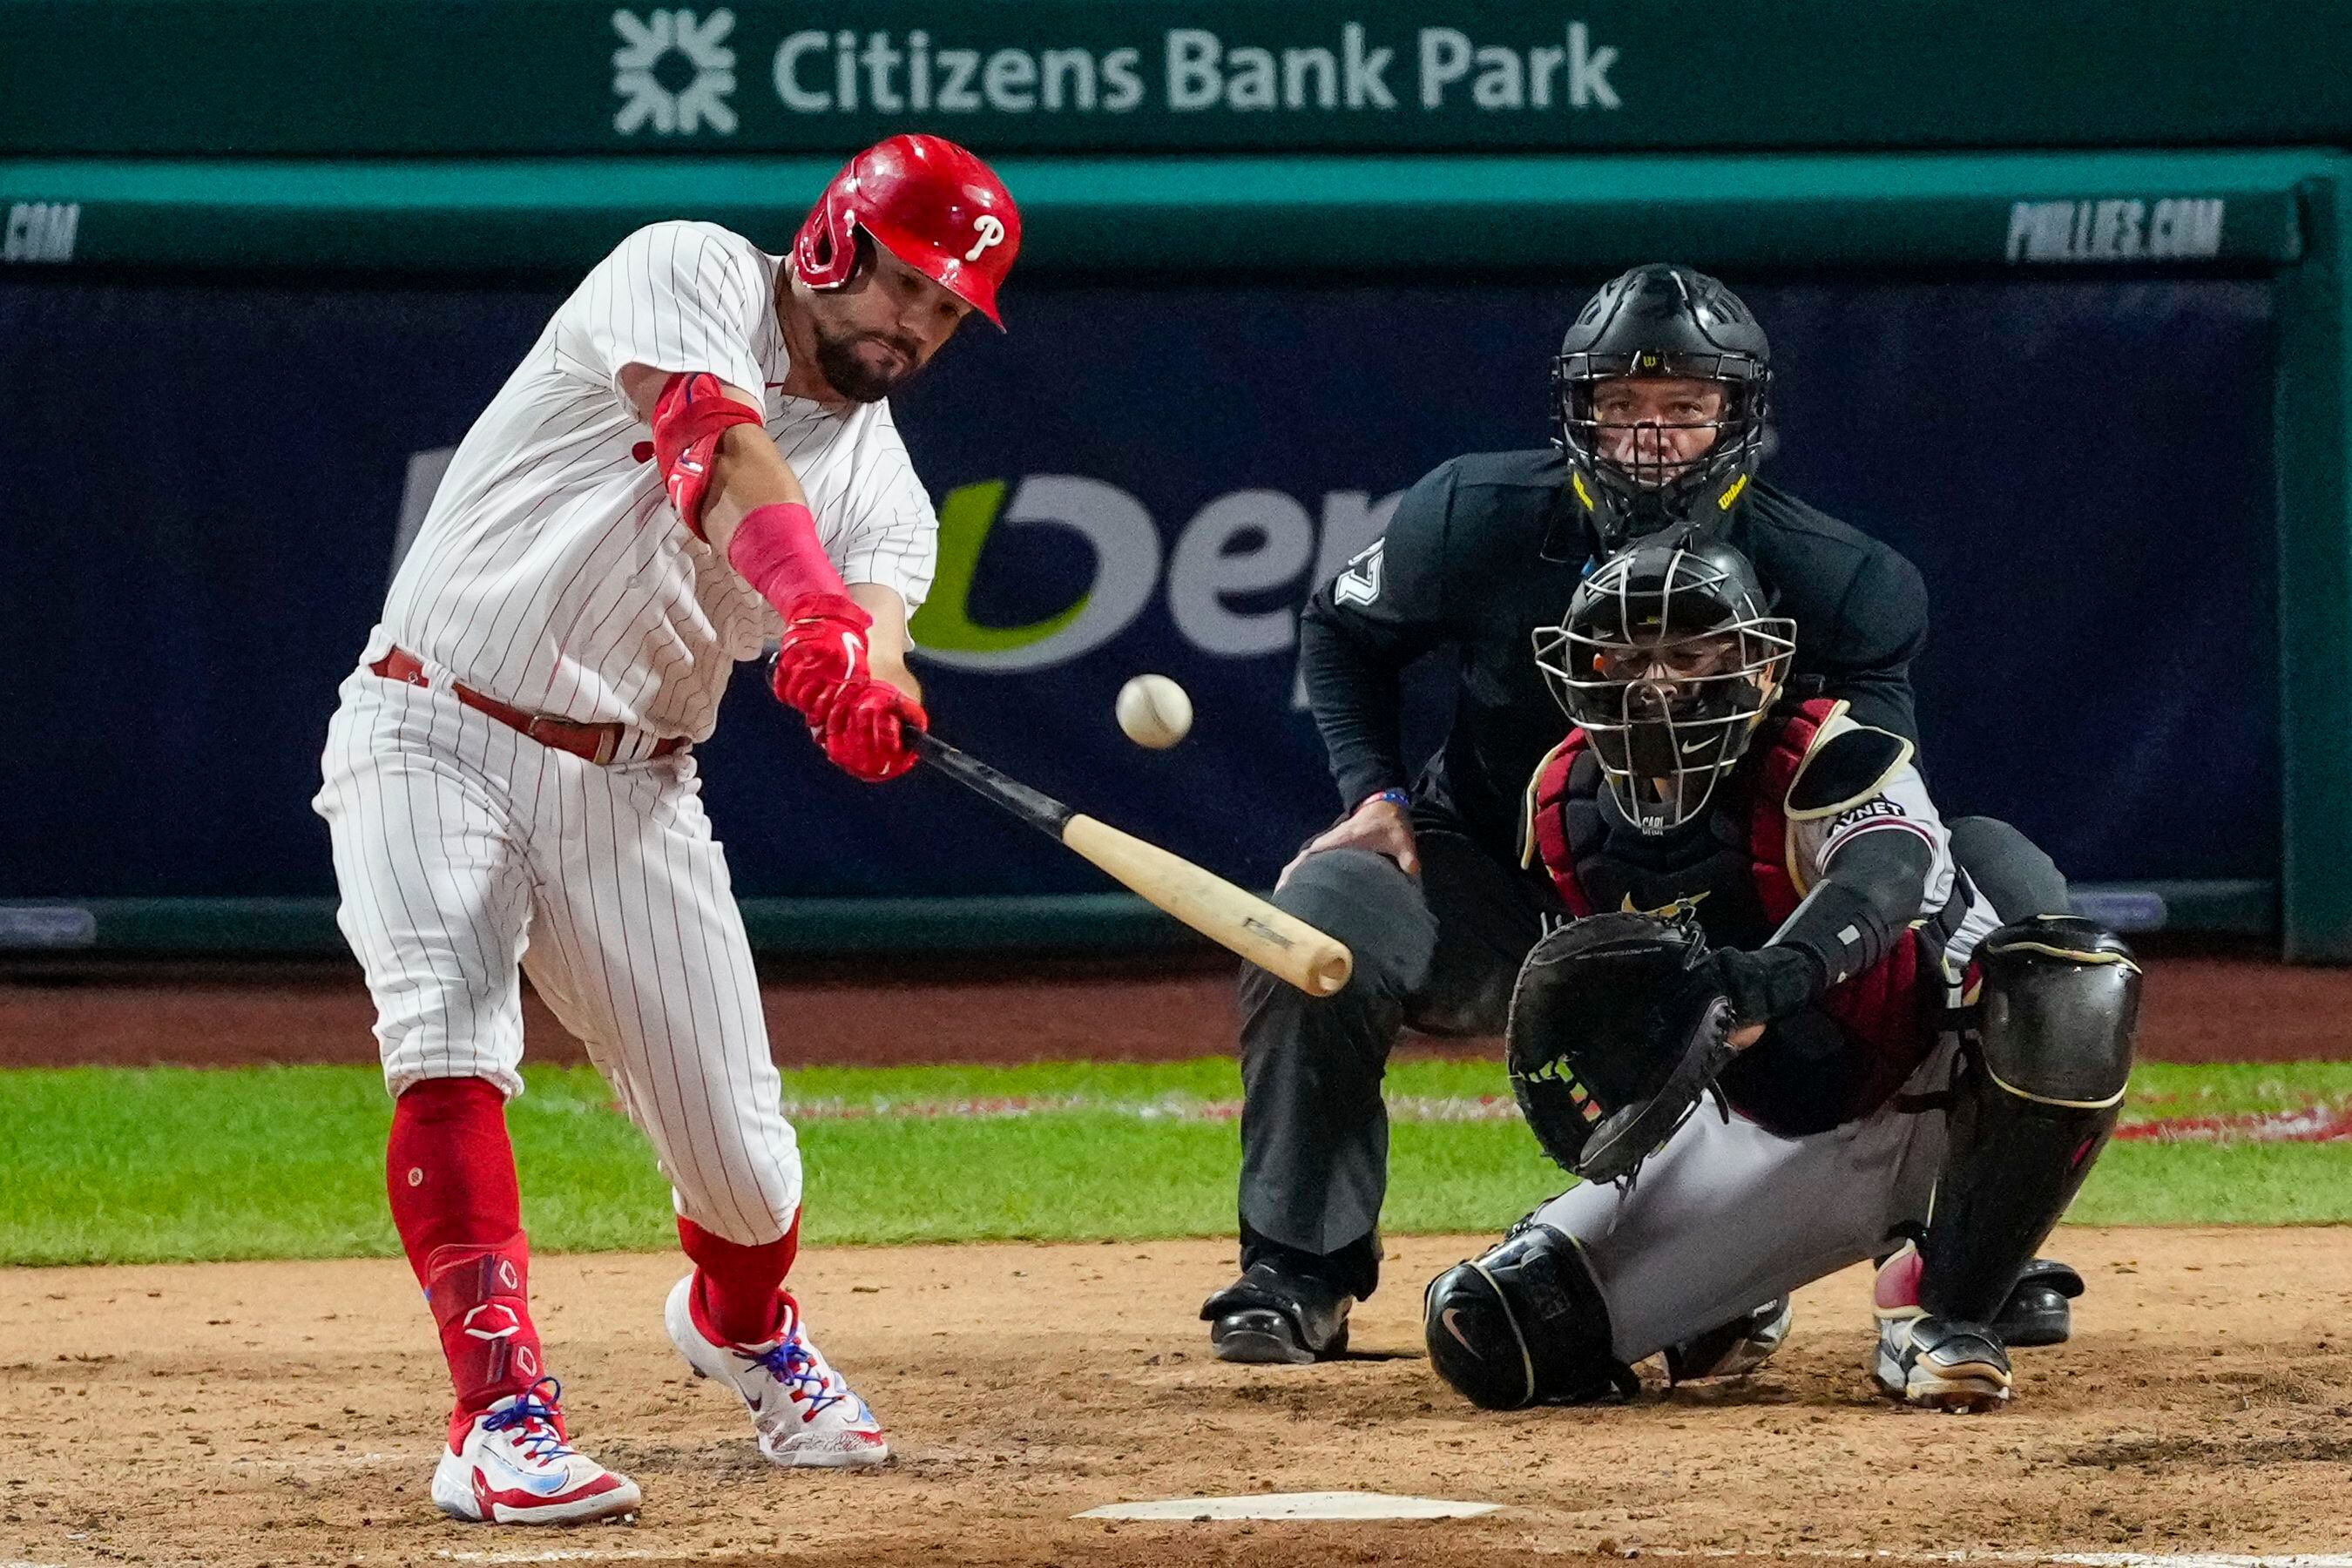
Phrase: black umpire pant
x=1441 y=954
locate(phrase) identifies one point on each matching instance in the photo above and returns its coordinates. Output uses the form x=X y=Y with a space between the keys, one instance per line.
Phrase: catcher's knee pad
x=2059 y=1011
x=1524 y=1324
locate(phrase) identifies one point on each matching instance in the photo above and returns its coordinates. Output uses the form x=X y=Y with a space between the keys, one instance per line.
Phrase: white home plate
x=1294 y=1505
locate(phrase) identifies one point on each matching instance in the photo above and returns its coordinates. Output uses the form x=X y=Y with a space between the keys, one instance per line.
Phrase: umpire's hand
x=1380 y=824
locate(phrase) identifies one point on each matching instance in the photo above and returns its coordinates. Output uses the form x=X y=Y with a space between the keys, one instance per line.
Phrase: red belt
x=595 y=743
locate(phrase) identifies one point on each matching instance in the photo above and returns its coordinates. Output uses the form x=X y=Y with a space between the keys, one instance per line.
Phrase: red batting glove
x=866 y=732
x=823 y=656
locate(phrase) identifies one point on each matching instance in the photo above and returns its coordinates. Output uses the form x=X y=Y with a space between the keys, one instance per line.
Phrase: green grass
x=2161 y=1089
x=172 y=1164
x=2218 y=1184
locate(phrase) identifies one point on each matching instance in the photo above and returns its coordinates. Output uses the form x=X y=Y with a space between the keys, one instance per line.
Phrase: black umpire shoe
x=1273 y=1314
x=2036 y=1312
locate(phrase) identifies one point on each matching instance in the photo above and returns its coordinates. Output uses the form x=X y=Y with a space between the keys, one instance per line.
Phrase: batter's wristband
x=775 y=548
x=1392 y=795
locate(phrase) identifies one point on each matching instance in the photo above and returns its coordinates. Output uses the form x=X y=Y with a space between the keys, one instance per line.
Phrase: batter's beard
x=837 y=362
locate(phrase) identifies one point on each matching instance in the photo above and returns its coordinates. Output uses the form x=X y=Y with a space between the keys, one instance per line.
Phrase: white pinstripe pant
x=468 y=853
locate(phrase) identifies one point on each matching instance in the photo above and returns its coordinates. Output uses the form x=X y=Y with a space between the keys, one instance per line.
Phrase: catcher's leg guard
x=2061 y=1001
x=2010 y=871
x=1524 y=1324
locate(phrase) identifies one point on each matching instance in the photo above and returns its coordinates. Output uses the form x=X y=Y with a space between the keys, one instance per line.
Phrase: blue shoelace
x=535 y=1414
x=790 y=1365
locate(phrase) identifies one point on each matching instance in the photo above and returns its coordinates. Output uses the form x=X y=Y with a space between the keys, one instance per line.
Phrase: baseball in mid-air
x=1154 y=711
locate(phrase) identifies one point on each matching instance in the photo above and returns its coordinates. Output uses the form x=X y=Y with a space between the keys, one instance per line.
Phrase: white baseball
x=1154 y=711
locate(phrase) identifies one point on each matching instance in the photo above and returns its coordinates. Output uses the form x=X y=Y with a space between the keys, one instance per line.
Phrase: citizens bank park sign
x=686 y=73
x=486 y=78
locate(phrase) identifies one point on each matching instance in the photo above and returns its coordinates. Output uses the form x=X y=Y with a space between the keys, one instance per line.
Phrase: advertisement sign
x=1135 y=478
x=245 y=78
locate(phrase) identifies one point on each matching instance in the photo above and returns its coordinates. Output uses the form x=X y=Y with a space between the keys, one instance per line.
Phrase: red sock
x=449 y=1169
x=737 y=1299
x=450 y=1172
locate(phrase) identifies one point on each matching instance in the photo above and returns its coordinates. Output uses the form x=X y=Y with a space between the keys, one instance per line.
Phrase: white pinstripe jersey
x=551 y=571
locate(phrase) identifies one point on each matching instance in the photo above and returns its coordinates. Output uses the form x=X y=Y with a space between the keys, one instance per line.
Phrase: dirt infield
x=2200 y=1008
x=251 y=1415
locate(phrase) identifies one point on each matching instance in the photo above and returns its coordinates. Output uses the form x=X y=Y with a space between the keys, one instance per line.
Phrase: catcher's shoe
x=1937 y=1364
x=804 y=1413
x=1730 y=1350
x=1941 y=1364
x=1278 y=1315
x=512 y=1465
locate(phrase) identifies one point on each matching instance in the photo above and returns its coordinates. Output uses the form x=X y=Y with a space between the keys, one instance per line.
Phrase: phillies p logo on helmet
x=929 y=203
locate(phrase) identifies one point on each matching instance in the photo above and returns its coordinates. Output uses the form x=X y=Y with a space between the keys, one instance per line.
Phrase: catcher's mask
x=1668 y=662
x=1661 y=321
x=1609 y=1043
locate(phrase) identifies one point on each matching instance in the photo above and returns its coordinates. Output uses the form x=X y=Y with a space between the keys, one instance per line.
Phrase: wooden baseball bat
x=1281 y=945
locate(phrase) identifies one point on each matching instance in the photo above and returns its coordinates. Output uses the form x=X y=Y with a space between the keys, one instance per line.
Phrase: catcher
x=1781 y=1023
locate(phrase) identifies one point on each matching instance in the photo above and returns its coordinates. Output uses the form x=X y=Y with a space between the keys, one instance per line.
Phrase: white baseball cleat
x=805 y=1413
x=512 y=1466
x=1937 y=1364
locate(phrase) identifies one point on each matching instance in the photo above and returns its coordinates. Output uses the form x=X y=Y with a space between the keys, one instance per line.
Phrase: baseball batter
x=1764 y=899
x=695 y=460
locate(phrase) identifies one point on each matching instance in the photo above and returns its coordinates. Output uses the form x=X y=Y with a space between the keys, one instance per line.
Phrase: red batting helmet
x=928 y=202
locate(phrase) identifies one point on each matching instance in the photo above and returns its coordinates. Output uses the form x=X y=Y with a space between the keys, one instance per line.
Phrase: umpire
x=1662 y=398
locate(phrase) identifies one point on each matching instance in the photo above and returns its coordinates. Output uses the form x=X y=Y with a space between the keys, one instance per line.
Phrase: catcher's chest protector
x=1734 y=875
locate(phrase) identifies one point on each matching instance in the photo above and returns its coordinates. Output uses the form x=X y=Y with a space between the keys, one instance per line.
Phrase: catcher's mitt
x=1614 y=1035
